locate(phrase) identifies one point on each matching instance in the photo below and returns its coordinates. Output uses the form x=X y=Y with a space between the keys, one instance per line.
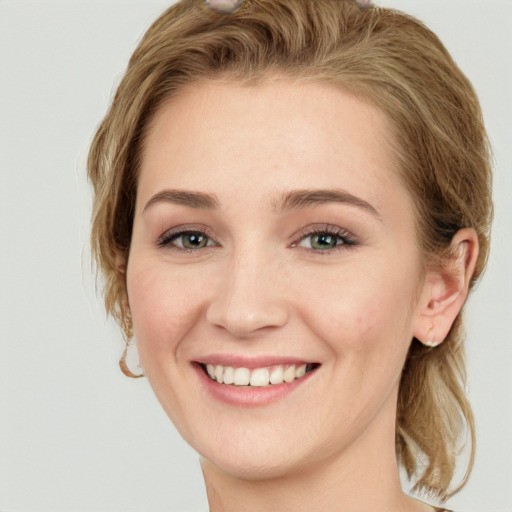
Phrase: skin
x=260 y=288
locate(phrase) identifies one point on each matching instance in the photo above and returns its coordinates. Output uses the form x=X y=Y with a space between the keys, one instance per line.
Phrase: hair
x=382 y=56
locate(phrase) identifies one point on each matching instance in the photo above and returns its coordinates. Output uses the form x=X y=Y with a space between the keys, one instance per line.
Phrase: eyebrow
x=295 y=199
x=188 y=198
x=311 y=197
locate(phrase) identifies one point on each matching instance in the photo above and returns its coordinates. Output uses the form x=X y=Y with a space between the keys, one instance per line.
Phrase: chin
x=252 y=467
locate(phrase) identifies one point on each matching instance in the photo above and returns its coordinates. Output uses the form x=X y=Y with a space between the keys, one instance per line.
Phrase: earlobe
x=446 y=289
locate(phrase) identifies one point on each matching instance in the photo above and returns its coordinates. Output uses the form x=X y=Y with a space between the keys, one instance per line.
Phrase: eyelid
x=165 y=238
x=349 y=238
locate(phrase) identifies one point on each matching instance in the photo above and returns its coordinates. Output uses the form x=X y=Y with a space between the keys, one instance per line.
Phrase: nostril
x=245 y=312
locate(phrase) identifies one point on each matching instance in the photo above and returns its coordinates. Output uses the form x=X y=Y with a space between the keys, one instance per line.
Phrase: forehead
x=277 y=135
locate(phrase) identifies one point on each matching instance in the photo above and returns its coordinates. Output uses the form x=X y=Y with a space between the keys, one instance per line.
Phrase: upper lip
x=261 y=361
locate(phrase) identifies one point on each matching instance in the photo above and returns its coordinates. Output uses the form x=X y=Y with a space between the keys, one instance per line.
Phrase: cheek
x=165 y=306
x=161 y=311
x=361 y=310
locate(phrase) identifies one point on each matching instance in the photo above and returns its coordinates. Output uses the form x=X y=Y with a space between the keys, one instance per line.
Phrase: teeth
x=219 y=374
x=289 y=373
x=242 y=376
x=300 y=371
x=229 y=375
x=276 y=375
x=259 y=377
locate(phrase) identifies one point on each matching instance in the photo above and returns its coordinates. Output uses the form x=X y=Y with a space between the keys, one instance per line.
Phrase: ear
x=124 y=306
x=120 y=261
x=445 y=289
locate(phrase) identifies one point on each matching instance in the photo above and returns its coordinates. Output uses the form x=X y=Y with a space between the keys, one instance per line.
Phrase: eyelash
x=347 y=239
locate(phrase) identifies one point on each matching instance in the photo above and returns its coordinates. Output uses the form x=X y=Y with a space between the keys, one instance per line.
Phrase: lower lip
x=248 y=396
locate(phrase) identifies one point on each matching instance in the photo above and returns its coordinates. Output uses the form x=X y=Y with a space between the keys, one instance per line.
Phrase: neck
x=362 y=477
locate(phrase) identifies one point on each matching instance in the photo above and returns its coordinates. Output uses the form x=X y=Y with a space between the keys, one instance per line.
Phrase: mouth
x=257 y=377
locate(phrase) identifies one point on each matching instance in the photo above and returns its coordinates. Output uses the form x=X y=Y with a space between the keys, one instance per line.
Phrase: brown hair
x=380 y=55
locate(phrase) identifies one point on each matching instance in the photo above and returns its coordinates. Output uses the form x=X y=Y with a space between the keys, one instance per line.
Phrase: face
x=274 y=249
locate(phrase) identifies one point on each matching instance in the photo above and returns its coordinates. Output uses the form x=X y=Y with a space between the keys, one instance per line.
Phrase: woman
x=292 y=203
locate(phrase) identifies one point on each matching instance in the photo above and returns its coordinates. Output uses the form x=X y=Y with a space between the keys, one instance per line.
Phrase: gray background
x=75 y=435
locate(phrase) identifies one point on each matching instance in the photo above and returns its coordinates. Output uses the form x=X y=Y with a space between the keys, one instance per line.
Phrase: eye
x=188 y=241
x=326 y=239
x=320 y=240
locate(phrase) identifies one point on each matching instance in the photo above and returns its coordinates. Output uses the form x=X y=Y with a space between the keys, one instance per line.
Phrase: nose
x=249 y=297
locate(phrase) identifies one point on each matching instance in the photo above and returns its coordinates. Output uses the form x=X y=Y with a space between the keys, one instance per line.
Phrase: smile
x=257 y=377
